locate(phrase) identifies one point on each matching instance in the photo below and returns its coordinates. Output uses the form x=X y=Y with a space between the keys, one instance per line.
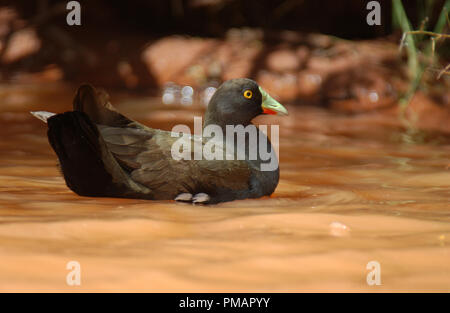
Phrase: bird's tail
x=88 y=167
x=76 y=142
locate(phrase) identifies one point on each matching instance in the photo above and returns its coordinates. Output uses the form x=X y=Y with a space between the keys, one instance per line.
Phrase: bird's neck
x=212 y=119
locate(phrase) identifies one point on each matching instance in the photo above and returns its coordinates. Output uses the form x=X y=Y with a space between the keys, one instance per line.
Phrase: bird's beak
x=270 y=105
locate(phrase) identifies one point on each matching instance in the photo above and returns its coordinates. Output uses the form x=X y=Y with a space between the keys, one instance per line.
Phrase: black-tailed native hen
x=102 y=153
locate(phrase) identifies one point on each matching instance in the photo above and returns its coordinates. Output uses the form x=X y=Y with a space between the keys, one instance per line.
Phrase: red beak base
x=268 y=111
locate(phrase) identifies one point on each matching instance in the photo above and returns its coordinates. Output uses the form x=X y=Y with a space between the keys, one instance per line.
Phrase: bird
x=103 y=153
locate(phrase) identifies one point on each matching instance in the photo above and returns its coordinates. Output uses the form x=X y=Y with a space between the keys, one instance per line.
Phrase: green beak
x=270 y=105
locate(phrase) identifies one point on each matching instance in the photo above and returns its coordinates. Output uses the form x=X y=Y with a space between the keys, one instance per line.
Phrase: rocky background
x=319 y=53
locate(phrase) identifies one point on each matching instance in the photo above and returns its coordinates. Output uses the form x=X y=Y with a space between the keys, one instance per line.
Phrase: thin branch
x=445 y=71
x=429 y=33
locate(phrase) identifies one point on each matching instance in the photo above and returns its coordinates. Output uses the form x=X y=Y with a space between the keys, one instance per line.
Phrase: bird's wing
x=147 y=156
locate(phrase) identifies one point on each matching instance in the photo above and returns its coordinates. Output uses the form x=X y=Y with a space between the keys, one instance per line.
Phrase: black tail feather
x=88 y=168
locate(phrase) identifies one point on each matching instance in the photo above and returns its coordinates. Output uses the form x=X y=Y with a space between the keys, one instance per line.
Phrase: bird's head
x=238 y=101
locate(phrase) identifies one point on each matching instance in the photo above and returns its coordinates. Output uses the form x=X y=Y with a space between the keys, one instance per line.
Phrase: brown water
x=349 y=193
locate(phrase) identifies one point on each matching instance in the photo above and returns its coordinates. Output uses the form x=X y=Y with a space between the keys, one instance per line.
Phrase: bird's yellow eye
x=248 y=94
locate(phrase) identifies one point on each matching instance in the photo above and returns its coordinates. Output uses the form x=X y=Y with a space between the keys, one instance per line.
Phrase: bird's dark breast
x=264 y=179
x=265 y=182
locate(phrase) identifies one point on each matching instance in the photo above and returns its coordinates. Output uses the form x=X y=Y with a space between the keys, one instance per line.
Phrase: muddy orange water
x=350 y=193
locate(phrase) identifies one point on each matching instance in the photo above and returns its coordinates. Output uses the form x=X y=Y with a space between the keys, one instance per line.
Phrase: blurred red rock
x=168 y=59
x=283 y=60
x=283 y=87
x=428 y=114
x=21 y=44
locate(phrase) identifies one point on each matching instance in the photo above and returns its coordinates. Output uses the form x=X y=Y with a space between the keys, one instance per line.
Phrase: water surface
x=350 y=192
